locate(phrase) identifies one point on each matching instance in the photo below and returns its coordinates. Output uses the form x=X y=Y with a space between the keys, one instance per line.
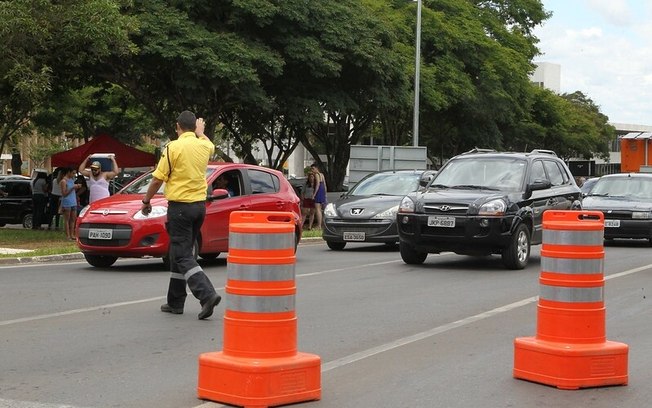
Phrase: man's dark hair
x=187 y=121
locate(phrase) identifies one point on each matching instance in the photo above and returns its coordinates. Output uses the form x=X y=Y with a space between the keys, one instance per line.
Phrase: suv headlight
x=329 y=211
x=641 y=215
x=407 y=205
x=493 y=207
x=388 y=214
x=157 y=211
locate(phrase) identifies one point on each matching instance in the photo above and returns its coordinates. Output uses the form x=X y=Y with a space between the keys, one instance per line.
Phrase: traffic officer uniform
x=183 y=169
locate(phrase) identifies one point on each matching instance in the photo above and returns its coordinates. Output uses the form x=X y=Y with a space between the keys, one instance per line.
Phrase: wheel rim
x=522 y=246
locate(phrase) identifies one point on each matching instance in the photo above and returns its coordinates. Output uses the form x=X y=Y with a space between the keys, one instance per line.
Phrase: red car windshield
x=140 y=185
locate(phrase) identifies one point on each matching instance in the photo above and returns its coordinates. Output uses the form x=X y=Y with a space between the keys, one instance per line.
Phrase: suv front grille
x=445 y=209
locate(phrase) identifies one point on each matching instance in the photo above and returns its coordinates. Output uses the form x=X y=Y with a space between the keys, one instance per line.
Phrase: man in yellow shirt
x=182 y=168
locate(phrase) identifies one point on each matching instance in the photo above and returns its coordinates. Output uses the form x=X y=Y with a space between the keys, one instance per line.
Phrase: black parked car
x=16 y=201
x=367 y=212
x=626 y=202
x=484 y=202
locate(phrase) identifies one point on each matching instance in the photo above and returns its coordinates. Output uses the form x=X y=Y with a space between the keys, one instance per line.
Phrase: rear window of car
x=554 y=173
x=15 y=188
x=262 y=182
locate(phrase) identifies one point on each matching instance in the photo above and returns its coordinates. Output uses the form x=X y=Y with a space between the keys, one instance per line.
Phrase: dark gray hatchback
x=484 y=202
x=626 y=201
x=367 y=212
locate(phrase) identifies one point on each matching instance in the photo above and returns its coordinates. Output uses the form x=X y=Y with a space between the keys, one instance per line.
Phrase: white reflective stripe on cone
x=573 y=237
x=260 y=304
x=572 y=266
x=241 y=240
x=247 y=272
x=571 y=295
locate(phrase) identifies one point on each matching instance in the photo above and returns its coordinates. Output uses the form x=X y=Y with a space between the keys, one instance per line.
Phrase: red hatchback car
x=114 y=227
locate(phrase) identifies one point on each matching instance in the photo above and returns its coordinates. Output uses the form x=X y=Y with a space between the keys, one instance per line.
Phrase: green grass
x=44 y=242
x=41 y=242
x=311 y=234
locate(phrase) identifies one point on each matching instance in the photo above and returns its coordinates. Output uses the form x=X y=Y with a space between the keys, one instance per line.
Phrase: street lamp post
x=417 y=74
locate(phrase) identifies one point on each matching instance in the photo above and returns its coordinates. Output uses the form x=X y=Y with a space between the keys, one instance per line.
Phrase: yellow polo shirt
x=183 y=168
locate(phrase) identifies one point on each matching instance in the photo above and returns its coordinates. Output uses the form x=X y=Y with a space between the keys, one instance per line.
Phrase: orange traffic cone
x=570 y=350
x=259 y=365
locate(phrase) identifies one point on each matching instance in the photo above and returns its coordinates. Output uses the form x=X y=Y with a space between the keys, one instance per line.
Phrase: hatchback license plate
x=611 y=223
x=445 y=222
x=353 y=236
x=100 y=234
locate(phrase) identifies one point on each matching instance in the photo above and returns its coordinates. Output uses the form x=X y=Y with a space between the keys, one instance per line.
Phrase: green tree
x=45 y=44
x=569 y=124
x=92 y=110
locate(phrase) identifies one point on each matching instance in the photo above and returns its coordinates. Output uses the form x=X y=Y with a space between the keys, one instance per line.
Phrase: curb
x=72 y=256
x=42 y=259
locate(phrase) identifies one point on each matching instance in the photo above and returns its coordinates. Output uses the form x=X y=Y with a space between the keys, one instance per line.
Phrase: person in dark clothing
x=54 y=204
x=182 y=168
x=39 y=200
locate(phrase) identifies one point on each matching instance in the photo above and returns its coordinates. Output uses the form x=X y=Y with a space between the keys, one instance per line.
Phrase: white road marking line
x=352 y=358
x=331 y=365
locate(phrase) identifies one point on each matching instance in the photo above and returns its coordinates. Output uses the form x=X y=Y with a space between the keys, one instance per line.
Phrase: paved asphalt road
x=388 y=334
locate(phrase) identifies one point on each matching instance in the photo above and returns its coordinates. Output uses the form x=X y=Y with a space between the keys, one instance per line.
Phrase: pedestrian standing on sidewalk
x=39 y=200
x=69 y=202
x=54 y=205
x=320 y=193
x=182 y=168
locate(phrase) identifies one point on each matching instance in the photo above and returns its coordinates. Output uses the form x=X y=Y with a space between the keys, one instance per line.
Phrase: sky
x=604 y=48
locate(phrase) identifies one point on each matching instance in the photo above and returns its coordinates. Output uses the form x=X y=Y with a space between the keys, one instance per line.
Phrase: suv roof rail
x=477 y=150
x=544 y=151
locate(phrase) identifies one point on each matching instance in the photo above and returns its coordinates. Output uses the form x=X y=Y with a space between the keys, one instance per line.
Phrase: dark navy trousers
x=184 y=222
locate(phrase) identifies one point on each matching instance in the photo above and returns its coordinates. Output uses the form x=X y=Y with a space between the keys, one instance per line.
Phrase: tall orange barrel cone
x=570 y=349
x=259 y=365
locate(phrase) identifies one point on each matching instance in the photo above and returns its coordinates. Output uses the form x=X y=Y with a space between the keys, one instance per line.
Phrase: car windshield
x=637 y=188
x=140 y=185
x=398 y=184
x=489 y=173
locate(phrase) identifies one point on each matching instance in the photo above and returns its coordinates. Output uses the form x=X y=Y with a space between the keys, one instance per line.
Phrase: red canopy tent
x=126 y=156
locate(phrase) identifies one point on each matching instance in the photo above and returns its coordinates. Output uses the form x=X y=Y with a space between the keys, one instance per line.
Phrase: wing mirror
x=217 y=194
x=538 y=184
x=425 y=179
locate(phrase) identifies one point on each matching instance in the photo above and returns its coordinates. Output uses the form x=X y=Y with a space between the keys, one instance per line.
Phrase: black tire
x=336 y=246
x=410 y=255
x=100 y=261
x=517 y=254
x=209 y=257
x=28 y=220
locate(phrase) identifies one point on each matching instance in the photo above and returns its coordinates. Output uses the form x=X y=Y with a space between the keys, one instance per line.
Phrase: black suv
x=484 y=202
x=16 y=201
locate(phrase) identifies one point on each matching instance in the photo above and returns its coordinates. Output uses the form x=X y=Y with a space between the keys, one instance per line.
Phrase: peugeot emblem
x=444 y=208
x=357 y=211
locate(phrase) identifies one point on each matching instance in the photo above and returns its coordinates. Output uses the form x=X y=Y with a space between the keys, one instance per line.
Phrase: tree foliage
x=44 y=45
x=270 y=74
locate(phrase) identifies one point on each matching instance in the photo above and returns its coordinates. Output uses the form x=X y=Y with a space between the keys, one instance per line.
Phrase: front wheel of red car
x=100 y=261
